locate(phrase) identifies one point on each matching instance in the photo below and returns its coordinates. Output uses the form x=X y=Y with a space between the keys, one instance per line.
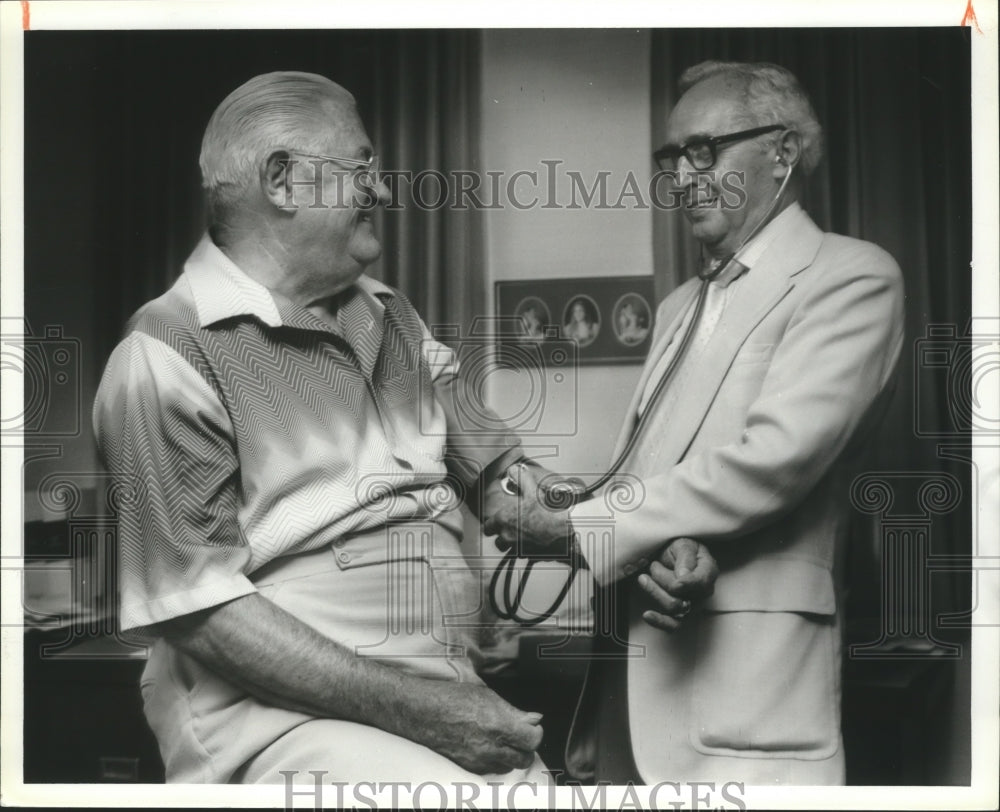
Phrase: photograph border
x=15 y=18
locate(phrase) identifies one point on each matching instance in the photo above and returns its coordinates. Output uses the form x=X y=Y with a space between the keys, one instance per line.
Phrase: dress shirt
x=720 y=292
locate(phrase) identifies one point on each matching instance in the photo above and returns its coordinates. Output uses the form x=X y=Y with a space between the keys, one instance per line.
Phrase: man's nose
x=686 y=175
x=371 y=193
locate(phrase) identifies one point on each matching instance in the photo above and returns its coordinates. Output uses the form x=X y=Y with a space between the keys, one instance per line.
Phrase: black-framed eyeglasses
x=702 y=151
x=369 y=167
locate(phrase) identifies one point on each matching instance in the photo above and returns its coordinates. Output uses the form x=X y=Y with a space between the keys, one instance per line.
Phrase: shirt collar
x=751 y=253
x=222 y=291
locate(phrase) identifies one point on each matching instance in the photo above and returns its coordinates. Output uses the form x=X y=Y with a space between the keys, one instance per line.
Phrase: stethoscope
x=565 y=493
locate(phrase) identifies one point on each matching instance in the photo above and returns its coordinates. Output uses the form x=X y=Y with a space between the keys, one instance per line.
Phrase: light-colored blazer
x=755 y=461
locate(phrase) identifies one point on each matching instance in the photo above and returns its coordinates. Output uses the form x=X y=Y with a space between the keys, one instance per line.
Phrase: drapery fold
x=425 y=119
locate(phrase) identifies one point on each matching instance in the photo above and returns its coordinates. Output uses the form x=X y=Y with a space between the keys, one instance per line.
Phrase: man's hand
x=526 y=520
x=475 y=728
x=686 y=572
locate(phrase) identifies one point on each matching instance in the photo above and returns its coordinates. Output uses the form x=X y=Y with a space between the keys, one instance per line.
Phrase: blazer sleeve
x=837 y=355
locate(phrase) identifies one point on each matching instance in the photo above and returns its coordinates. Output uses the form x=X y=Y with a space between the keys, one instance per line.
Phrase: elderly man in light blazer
x=765 y=374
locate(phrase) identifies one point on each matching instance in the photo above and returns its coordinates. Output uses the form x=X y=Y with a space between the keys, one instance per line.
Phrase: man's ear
x=276 y=181
x=788 y=152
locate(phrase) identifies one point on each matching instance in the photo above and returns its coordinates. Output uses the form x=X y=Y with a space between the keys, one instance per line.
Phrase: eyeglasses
x=368 y=167
x=702 y=151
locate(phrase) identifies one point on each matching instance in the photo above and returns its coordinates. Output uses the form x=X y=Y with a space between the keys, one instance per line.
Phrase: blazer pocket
x=767 y=686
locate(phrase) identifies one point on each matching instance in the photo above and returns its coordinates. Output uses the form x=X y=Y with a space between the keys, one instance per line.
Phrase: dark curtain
x=425 y=118
x=895 y=108
x=114 y=121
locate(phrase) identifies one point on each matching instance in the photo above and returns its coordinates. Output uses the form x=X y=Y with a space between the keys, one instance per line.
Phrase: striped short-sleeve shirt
x=242 y=427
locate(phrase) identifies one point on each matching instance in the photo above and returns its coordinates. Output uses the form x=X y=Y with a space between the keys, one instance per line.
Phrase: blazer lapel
x=672 y=317
x=766 y=284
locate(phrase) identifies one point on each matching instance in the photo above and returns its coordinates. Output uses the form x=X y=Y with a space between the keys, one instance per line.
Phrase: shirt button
x=343 y=557
x=338 y=543
x=628 y=569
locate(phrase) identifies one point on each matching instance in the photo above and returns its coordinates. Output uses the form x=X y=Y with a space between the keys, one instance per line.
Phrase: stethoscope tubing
x=567 y=497
x=508 y=564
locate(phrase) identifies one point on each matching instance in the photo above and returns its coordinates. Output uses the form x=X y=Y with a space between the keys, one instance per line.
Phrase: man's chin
x=705 y=231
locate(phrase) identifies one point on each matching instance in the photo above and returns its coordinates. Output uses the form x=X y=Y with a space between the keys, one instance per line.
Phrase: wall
x=580 y=97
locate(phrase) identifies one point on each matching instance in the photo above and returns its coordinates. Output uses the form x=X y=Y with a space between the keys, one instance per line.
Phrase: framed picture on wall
x=599 y=320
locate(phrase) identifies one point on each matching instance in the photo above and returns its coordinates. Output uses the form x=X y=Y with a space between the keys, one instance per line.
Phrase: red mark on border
x=969 y=18
x=25 y=15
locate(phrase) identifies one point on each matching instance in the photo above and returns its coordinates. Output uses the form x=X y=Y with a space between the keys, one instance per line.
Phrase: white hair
x=280 y=110
x=771 y=95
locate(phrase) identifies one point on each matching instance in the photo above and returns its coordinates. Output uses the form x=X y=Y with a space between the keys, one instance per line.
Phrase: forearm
x=283 y=661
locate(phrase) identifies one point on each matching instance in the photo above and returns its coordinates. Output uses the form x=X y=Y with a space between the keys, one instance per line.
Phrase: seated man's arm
x=274 y=656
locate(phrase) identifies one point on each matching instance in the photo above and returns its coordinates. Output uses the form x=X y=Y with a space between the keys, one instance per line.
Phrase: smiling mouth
x=694 y=209
x=706 y=203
